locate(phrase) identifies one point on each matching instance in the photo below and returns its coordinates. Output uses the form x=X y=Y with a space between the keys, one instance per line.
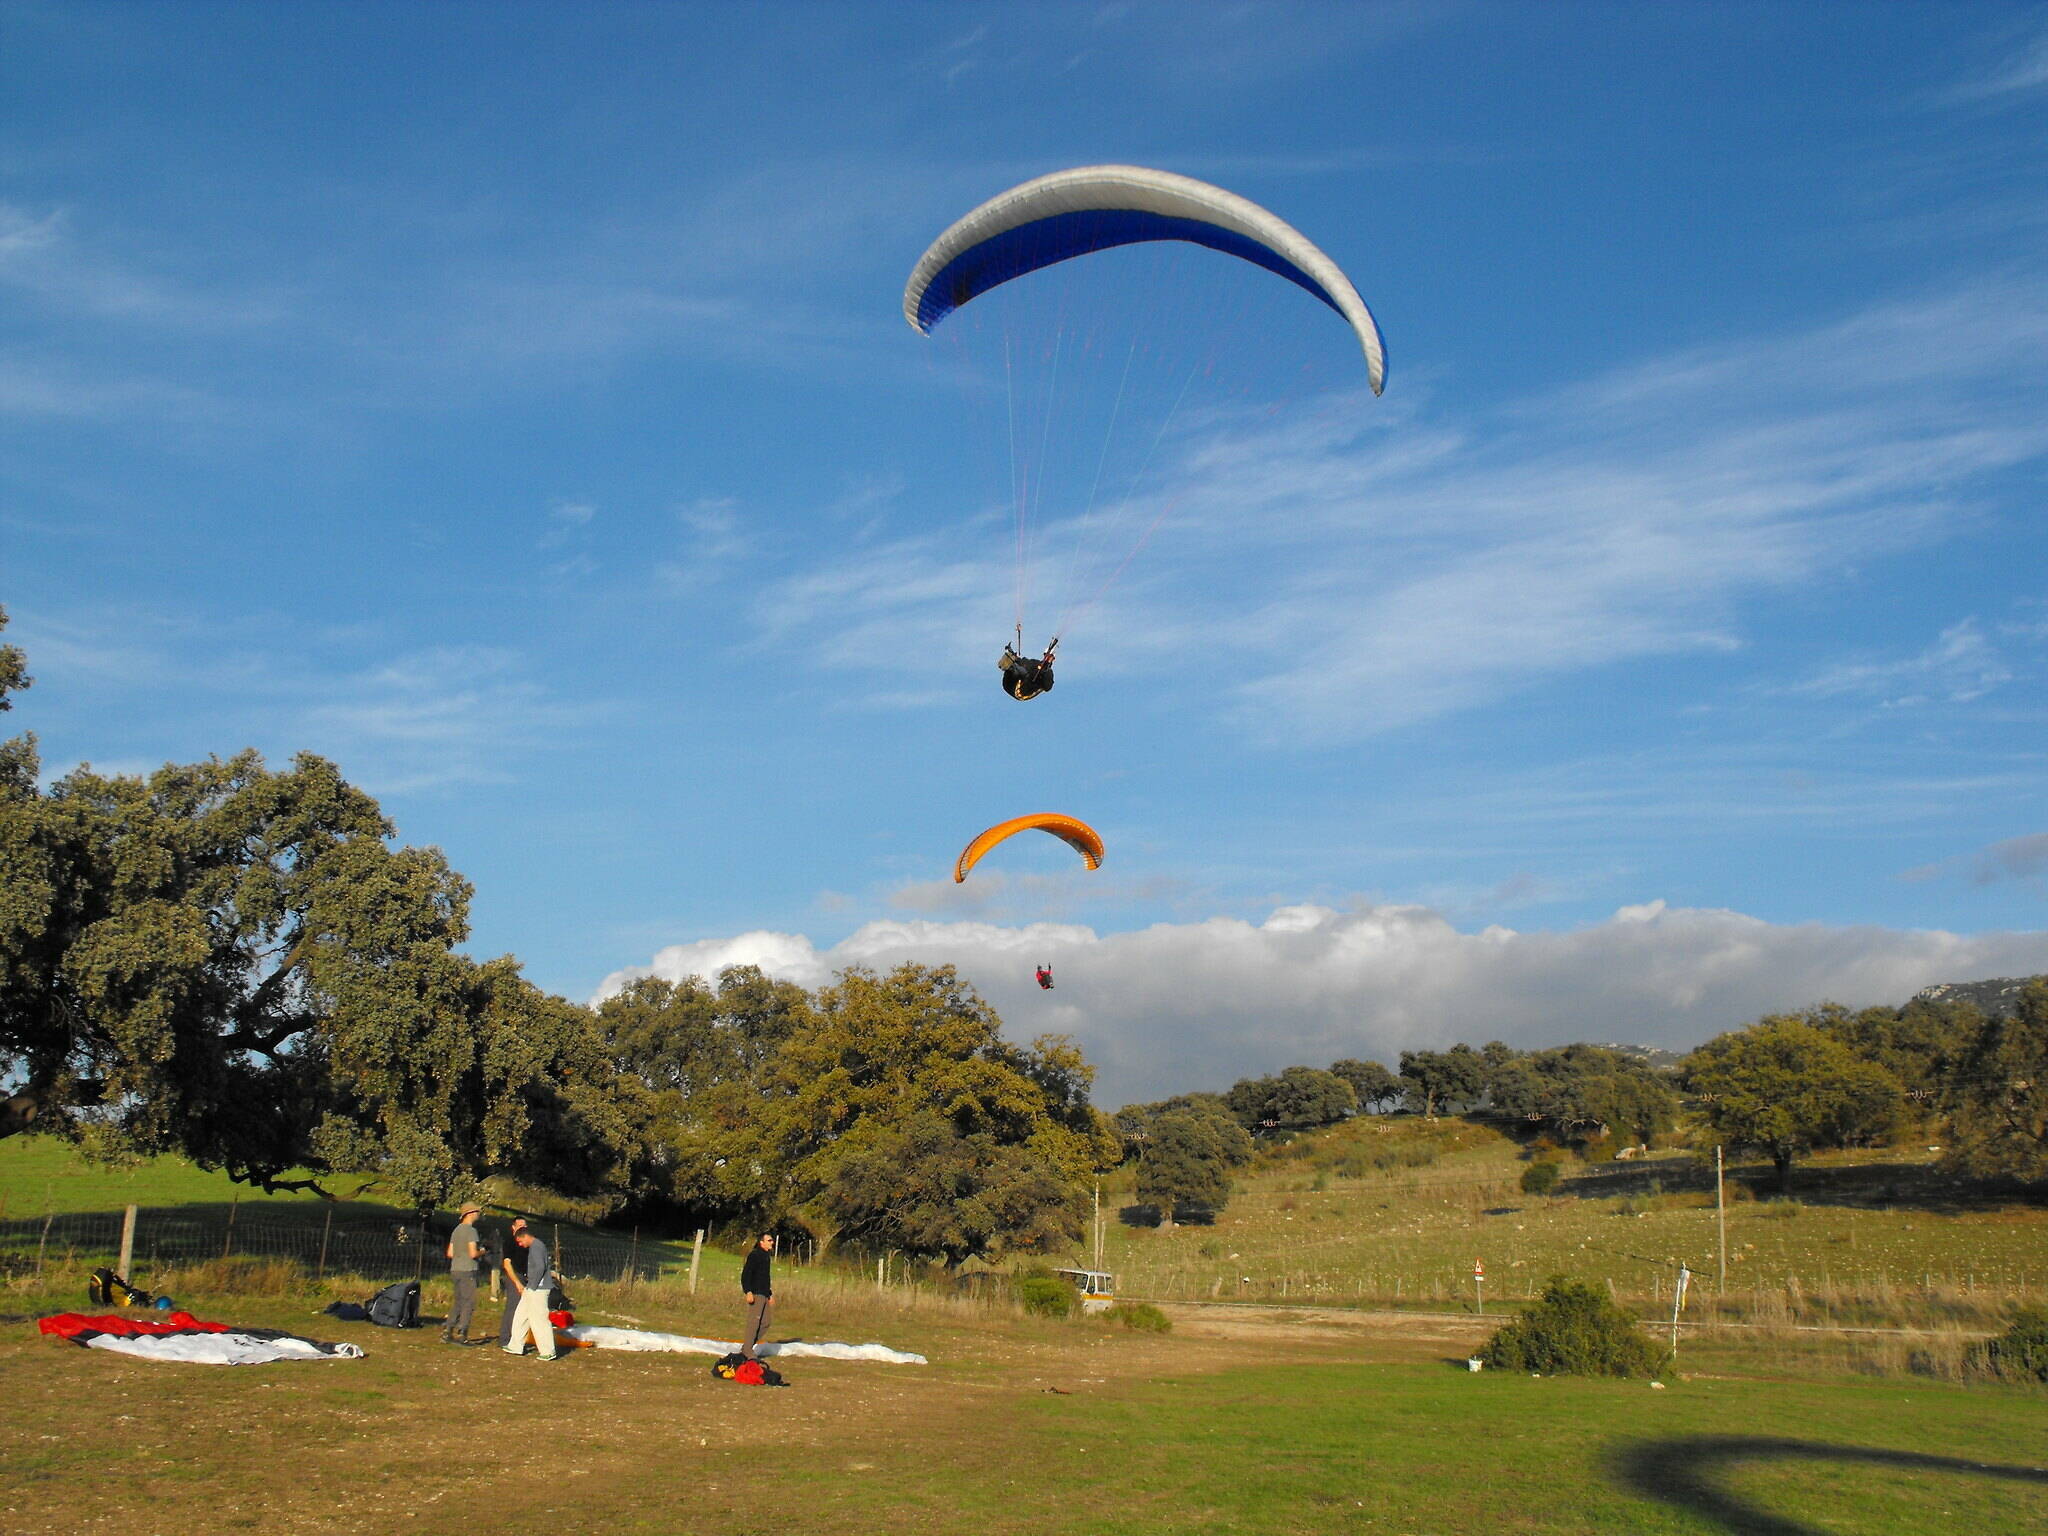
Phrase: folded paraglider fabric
x=181 y=1336
x=683 y=1344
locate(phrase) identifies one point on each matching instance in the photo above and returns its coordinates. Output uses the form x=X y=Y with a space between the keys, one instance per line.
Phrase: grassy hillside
x=1397 y=1209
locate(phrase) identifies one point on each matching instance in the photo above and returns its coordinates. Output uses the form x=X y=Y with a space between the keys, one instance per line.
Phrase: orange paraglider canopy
x=1077 y=834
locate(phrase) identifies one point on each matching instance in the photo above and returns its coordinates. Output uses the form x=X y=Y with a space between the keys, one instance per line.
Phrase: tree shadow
x=1688 y=1474
x=1863 y=1186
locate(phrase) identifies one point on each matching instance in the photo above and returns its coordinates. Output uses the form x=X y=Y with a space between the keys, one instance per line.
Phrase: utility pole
x=1720 y=1225
x=1098 y=1226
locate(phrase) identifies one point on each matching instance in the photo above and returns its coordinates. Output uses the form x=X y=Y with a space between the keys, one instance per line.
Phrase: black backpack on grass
x=396 y=1306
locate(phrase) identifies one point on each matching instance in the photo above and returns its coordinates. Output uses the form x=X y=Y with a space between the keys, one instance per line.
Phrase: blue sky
x=513 y=404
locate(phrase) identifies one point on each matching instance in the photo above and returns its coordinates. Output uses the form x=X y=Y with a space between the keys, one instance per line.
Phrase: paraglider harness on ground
x=396 y=1306
x=104 y=1288
x=746 y=1371
x=1023 y=676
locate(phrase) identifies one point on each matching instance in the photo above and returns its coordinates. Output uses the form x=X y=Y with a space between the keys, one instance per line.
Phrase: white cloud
x=1180 y=1006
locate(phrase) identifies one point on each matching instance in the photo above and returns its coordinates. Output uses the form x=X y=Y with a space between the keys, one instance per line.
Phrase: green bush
x=1573 y=1330
x=1140 y=1317
x=1540 y=1178
x=2021 y=1352
x=1781 y=1209
x=1043 y=1296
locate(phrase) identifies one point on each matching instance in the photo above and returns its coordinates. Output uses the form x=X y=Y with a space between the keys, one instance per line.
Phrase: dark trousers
x=757 y=1323
x=505 y=1322
x=464 y=1312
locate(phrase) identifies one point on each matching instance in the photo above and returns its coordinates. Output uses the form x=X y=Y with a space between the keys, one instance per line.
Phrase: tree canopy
x=1785 y=1086
x=1997 y=1094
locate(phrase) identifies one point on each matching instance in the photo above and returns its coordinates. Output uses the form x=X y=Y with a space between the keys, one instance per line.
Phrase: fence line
x=376 y=1245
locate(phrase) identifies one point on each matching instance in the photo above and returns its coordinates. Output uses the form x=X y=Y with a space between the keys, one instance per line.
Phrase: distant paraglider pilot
x=1026 y=677
x=1045 y=977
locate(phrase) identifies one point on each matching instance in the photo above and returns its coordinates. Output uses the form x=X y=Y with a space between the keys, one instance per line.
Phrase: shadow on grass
x=1688 y=1473
x=1866 y=1186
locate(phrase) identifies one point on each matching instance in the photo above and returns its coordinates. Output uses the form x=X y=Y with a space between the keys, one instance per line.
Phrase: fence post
x=633 y=1258
x=127 y=1241
x=325 y=1228
x=696 y=1250
x=48 y=1217
x=227 y=1243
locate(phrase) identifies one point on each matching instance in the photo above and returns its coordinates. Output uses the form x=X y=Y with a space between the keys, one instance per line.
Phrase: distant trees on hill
x=1296 y=1099
x=1371 y=1084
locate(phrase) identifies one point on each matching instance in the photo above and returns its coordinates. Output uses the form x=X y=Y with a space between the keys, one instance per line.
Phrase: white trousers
x=531 y=1317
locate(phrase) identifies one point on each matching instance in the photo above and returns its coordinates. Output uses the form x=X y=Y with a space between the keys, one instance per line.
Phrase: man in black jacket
x=759 y=1286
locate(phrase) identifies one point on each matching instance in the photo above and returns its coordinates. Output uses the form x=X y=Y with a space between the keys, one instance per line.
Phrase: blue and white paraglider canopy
x=1095 y=207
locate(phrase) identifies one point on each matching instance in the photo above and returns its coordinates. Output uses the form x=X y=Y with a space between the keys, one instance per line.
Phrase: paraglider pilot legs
x=757 y=1323
x=464 y=1310
x=532 y=1318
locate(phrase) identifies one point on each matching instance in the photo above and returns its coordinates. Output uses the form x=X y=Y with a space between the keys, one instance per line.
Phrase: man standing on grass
x=531 y=1316
x=508 y=1267
x=464 y=1249
x=759 y=1286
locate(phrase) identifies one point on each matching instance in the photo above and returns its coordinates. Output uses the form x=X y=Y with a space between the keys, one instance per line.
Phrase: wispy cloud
x=423 y=720
x=1179 y=1006
x=1963 y=664
x=2024 y=68
x=1400 y=565
x=2015 y=858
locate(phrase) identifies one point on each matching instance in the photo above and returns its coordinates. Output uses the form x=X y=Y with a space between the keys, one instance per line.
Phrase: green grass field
x=1259 y=1420
x=1017 y=1425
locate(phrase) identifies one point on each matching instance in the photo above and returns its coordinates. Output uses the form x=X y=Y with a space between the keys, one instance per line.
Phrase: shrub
x=1540 y=1178
x=1140 y=1317
x=1043 y=1296
x=1781 y=1209
x=1573 y=1330
x=2021 y=1352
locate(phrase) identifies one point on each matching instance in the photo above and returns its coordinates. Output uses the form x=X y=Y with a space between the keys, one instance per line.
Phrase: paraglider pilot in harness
x=1026 y=677
x=1045 y=977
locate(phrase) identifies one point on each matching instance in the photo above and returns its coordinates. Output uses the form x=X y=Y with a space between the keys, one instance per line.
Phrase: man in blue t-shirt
x=531 y=1316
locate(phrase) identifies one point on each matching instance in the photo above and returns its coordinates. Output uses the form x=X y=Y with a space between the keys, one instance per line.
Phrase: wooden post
x=633 y=1259
x=326 y=1227
x=227 y=1243
x=1720 y=1226
x=881 y=1272
x=127 y=1241
x=1677 y=1301
x=696 y=1252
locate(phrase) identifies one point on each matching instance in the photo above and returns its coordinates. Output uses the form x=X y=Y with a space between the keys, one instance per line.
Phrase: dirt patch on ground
x=1352 y=1334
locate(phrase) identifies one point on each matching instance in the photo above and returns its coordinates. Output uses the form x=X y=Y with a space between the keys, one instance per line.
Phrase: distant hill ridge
x=1654 y=1057
x=1997 y=998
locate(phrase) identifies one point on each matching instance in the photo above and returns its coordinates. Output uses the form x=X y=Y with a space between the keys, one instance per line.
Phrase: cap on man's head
x=470 y=1209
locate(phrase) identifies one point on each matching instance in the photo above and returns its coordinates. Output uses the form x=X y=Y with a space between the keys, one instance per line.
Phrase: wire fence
x=377 y=1244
